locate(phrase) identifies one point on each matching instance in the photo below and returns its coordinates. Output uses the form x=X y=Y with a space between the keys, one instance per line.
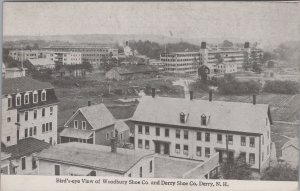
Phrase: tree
x=281 y=172
x=237 y=169
x=219 y=57
x=282 y=87
x=227 y=43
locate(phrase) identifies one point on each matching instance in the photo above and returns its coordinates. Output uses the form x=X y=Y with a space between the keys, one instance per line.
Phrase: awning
x=223 y=149
x=76 y=133
x=74 y=170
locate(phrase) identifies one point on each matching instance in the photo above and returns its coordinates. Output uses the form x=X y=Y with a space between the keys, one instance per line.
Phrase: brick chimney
x=153 y=92
x=114 y=142
x=89 y=103
x=254 y=99
x=210 y=95
x=191 y=95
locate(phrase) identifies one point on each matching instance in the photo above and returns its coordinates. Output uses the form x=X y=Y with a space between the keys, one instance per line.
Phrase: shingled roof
x=22 y=84
x=226 y=116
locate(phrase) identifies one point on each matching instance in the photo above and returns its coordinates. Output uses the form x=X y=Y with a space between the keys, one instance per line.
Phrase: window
x=177 y=148
x=268 y=134
x=43 y=95
x=157 y=131
x=26 y=133
x=35 y=97
x=34 y=165
x=150 y=167
x=251 y=158
x=147 y=130
x=18 y=117
x=8 y=139
x=34 y=130
x=121 y=136
x=230 y=139
x=26 y=98
x=23 y=163
x=185 y=149
x=262 y=156
x=252 y=142
x=141 y=171
x=43 y=128
x=199 y=136
x=140 y=143
x=207 y=137
x=268 y=150
x=198 y=151
x=9 y=102
x=43 y=112
x=51 y=110
x=243 y=141
x=8 y=119
x=47 y=127
x=75 y=124
x=146 y=144
x=243 y=156
x=56 y=170
x=166 y=132
x=50 y=140
x=30 y=132
x=219 y=138
x=207 y=152
x=178 y=133
x=26 y=115
x=185 y=134
x=140 y=129
x=18 y=100
x=50 y=126
x=107 y=136
x=34 y=114
x=262 y=140
x=83 y=124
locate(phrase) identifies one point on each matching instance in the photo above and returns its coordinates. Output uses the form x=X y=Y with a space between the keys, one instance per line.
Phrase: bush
x=199 y=85
x=281 y=172
x=281 y=87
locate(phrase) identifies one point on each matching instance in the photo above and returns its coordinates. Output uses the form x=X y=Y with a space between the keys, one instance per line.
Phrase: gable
x=79 y=117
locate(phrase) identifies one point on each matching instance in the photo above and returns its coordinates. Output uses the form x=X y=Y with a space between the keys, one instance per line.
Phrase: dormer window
x=35 y=97
x=26 y=98
x=203 y=119
x=18 y=99
x=9 y=101
x=43 y=95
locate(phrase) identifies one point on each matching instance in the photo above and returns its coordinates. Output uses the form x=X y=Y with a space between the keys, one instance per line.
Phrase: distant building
x=20 y=55
x=15 y=72
x=131 y=72
x=197 y=129
x=127 y=50
x=157 y=63
x=290 y=153
x=65 y=58
x=76 y=71
x=42 y=63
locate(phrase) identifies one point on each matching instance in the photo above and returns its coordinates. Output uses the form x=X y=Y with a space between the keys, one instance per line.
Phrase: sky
x=267 y=21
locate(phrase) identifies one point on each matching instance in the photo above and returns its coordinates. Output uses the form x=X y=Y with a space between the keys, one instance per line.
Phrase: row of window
x=26 y=98
x=30 y=132
x=46 y=127
x=83 y=124
x=112 y=135
x=33 y=163
x=35 y=114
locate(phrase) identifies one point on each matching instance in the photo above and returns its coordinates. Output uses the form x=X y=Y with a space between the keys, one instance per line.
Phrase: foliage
x=282 y=87
x=227 y=43
x=199 y=85
x=270 y=64
x=87 y=65
x=281 y=172
x=238 y=169
x=229 y=85
x=219 y=57
x=268 y=56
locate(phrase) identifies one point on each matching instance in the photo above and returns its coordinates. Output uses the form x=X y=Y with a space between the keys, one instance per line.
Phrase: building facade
x=197 y=129
x=64 y=58
x=25 y=54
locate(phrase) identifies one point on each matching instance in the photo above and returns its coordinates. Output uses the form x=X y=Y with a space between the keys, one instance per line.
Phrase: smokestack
x=210 y=95
x=89 y=103
x=114 y=142
x=247 y=45
x=254 y=99
x=203 y=45
x=191 y=95
x=153 y=92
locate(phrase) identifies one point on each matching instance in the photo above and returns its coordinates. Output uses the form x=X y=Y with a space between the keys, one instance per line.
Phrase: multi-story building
x=92 y=53
x=181 y=62
x=64 y=58
x=196 y=129
x=25 y=54
x=29 y=109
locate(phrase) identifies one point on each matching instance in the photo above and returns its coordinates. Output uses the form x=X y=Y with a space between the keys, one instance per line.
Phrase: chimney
x=203 y=45
x=191 y=95
x=153 y=92
x=254 y=99
x=247 y=45
x=210 y=95
x=89 y=103
x=114 y=142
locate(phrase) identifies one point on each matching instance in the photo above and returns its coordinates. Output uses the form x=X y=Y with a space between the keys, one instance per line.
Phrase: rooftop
x=94 y=156
x=293 y=142
x=226 y=116
x=26 y=147
x=22 y=84
x=41 y=62
x=76 y=133
x=131 y=69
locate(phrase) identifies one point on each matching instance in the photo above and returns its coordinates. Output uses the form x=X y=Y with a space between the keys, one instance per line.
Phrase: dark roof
x=26 y=147
x=22 y=84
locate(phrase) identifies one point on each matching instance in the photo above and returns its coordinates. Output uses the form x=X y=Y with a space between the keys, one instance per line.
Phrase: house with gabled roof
x=290 y=152
x=196 y=129
x=94 y=124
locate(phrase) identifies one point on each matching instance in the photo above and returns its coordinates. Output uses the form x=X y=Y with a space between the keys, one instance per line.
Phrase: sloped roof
x=226 y=116
x=76 y=133
x=121 y=126
x=22 y=84
x=94 y=156
x=26 y=147
x=41 y=62
x=98 y=116
x=292 y=142
x=131 y=69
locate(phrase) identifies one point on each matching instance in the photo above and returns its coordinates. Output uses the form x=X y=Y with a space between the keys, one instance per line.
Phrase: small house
x=290 y=152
